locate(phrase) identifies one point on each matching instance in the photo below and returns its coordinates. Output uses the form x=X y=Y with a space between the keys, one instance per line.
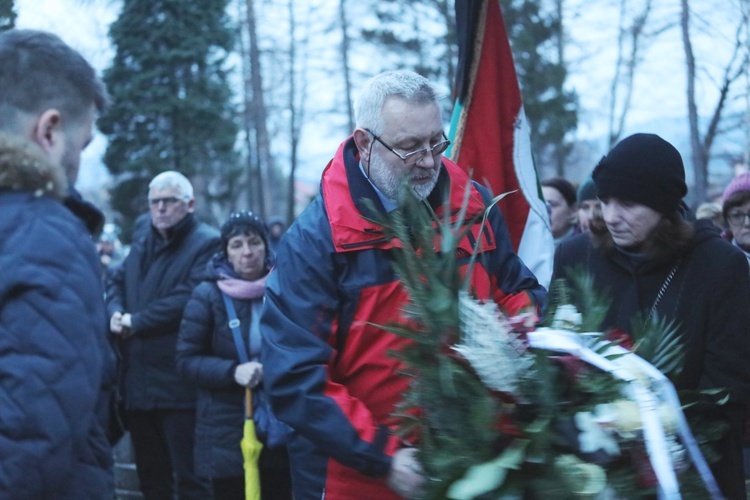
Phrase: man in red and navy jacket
x=328 y=369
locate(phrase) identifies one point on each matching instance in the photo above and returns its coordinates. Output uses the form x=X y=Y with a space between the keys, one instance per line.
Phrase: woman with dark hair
x=652 y=263
x=209 y=355
x=560 y=196
x=736 y=211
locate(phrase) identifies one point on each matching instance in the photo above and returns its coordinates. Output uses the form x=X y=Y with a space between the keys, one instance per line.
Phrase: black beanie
x=643 y=168
x=241 y=222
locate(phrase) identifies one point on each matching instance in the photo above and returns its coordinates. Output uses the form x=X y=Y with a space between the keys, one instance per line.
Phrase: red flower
x=646 y=475
x=506 y=425
x=622 y=338
x=572 y=366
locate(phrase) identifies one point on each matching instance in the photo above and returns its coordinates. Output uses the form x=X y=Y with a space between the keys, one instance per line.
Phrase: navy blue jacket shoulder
x=54 y=357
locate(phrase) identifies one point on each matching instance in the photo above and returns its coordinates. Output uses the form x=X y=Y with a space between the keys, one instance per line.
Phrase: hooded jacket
x=55 y=361
x=328 y=368
x=707 y=299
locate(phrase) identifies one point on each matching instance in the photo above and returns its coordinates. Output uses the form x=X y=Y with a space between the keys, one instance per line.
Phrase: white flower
x=627 y=421
x=627 y=418
x=586 y=480
x=595 y=434
x=567 y=317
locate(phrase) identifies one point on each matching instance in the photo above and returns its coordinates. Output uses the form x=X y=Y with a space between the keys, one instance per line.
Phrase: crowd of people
x=196 y=327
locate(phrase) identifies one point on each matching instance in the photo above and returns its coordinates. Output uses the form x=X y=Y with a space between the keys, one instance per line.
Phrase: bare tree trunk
x=617 y=119
x=559 y=149
x=293 y=132
x=701 y=146
x=700 y=159
x=259 y=115
x=447 y=11
x=297 y=100
x=345 y=59
x=728 y=79
x=250 y=195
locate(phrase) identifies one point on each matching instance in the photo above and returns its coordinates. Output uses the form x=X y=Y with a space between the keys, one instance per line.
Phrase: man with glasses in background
x=328 y=367
x=145 y=300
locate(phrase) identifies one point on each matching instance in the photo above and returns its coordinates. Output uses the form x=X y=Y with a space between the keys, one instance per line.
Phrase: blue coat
x=327 y=365
x=206 y=355
x=55 y=359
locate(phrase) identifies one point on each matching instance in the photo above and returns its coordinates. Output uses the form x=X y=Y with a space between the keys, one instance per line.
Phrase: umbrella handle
x=248 y=403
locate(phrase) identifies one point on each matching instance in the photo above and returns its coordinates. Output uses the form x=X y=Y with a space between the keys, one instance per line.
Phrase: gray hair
x=172 y=179
x=40 y=72
x=402 y=83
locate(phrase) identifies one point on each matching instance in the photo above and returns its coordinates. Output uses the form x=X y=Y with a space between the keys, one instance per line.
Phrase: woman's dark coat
x=708 y=298
x=207 y=357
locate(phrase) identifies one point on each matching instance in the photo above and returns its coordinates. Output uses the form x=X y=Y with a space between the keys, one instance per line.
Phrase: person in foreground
x=145 y=299
x=650 y=261
x=207 y=355
x=56 y=366
x=328 y=367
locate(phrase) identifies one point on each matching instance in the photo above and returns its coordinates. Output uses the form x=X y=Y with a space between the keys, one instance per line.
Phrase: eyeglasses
x=416 y=156
x=737 y=218
x=167 y=200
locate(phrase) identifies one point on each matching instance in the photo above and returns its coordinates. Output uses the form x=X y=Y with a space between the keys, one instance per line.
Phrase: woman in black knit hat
x=209 y=354
x=650 y=261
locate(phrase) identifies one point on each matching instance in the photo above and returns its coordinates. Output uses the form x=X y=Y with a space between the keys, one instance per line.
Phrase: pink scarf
x=242 y=289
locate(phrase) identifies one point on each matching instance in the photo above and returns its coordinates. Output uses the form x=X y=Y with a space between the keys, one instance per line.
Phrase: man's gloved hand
x=249 y=374
x=406 y=475
x=120 y=324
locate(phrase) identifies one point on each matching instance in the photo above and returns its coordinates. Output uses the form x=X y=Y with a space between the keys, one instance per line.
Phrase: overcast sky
x=591 y=26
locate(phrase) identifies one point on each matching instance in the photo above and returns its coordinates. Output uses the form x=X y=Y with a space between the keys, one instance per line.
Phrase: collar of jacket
x=91 y=216
x=175 y=233
x=23 y=167
x=345 y=190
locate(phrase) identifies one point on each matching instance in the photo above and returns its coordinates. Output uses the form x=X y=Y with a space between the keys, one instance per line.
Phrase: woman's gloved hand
x=249 y=374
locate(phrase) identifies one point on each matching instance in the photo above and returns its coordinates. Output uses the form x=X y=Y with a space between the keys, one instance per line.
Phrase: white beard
x=388 y=181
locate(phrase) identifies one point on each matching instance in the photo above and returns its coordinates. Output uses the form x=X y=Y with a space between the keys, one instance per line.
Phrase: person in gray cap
x=649 y=260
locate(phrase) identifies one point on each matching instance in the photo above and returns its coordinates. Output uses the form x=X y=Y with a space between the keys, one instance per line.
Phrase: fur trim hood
x=23 y=167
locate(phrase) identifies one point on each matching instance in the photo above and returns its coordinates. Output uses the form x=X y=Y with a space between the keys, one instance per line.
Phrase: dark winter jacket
x=708 y=298
x=55 y=362
x=327 y=366
x=207 y=357
x=153 y=285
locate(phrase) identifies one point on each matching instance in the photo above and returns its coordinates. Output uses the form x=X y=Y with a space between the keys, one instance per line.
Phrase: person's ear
x=191 y=205
x=363 y=140
x=48 y=133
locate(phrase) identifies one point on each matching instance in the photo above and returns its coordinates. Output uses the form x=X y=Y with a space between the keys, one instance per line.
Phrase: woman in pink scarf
x=210 y=354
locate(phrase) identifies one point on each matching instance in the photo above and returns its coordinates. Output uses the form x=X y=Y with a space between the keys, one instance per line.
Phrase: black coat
x=153 y=285
x=55 y=362
x=708 y=297
x=207 y=357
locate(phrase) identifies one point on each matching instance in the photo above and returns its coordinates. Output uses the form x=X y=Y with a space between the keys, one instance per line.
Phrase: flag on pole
x=490 y=134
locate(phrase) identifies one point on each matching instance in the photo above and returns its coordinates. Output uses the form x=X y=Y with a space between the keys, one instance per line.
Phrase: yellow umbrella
x=250 y=451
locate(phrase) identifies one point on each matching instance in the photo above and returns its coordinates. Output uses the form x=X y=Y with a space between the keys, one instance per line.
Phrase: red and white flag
x=490 y=134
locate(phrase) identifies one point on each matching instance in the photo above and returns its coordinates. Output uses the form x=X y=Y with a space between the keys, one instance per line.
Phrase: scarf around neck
x=242 y=289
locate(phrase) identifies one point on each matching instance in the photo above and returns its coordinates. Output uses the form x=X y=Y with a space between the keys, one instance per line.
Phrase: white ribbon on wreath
x=648 y=394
